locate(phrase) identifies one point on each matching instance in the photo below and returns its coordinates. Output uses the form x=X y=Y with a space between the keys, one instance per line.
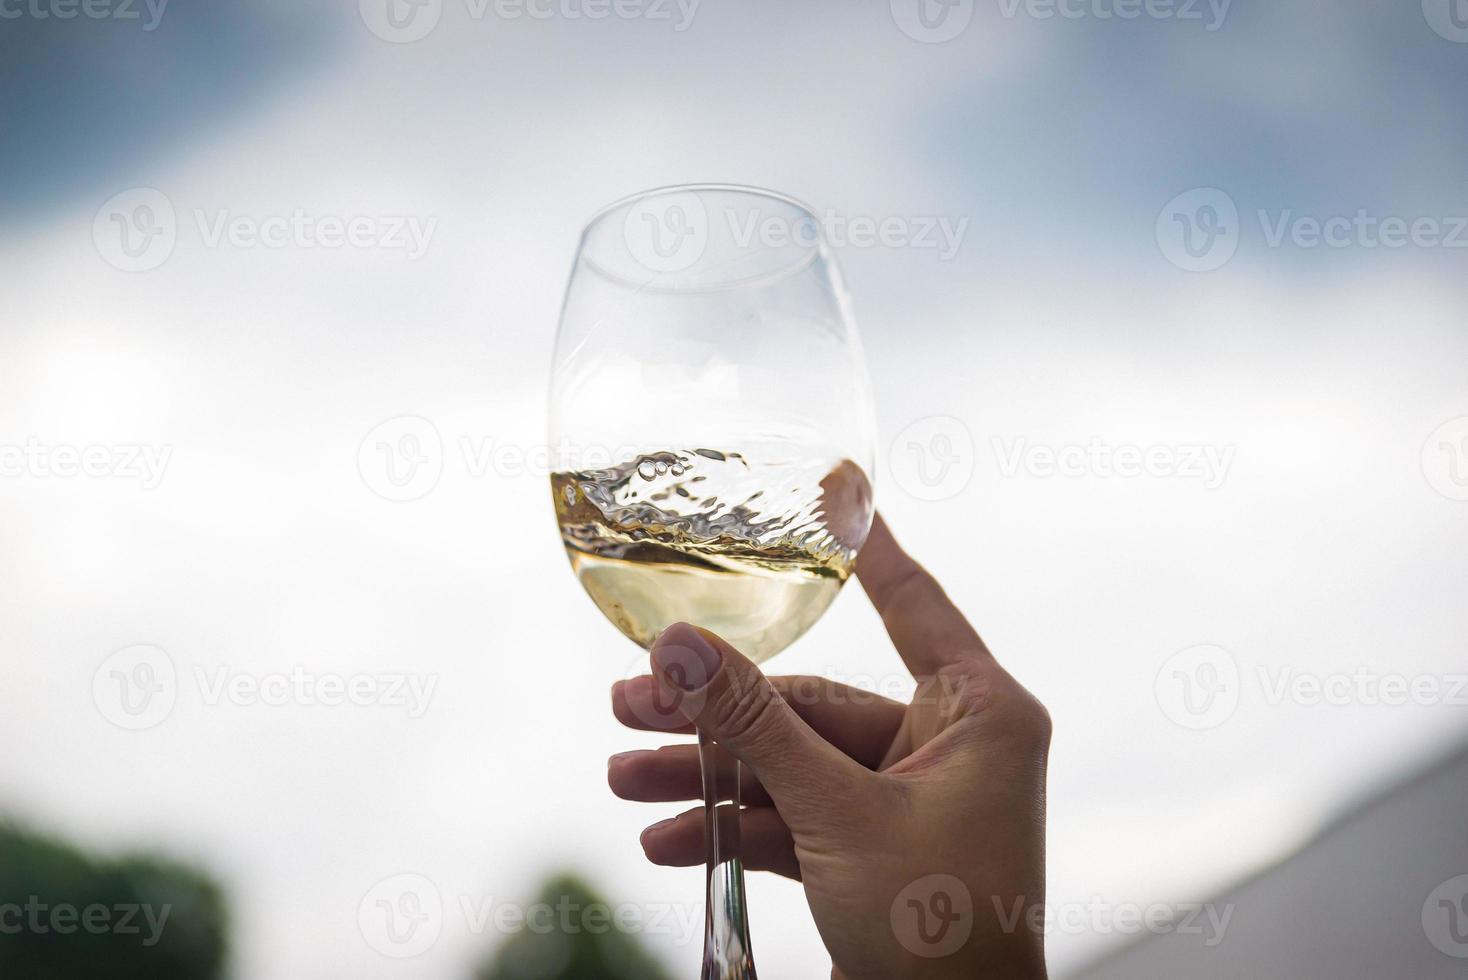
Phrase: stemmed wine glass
x=712 y=430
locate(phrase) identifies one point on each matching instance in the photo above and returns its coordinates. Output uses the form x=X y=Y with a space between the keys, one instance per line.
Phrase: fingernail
x=660 y=825
x=625 y=755
x=685 y=657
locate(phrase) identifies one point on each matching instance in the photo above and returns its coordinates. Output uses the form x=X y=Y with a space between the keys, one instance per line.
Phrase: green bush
x=65 y=915
x=551 y=951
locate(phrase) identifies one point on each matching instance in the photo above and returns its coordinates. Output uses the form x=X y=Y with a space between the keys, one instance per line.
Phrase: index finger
x=925 y=626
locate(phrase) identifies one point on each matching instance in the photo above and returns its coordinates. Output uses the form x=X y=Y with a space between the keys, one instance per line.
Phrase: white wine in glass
x=712 y=424
x=752 y=550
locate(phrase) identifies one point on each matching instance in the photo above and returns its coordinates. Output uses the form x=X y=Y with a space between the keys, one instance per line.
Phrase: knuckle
x=1028 y=721
x=1040 y=725
x=746 y=711
x=968 y=685
x=975 y=688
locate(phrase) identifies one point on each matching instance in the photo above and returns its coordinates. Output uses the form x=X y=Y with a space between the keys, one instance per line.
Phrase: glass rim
x=750 y=189
x=808 y=255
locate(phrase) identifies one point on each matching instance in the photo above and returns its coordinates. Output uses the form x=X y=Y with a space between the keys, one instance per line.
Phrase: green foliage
x=576 y=940
x=65 y=915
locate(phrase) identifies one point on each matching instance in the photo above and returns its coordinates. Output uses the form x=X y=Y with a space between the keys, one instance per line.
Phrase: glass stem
x=726 y=952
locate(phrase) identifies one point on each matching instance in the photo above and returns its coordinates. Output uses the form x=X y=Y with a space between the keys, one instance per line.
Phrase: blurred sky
x=1333 y=543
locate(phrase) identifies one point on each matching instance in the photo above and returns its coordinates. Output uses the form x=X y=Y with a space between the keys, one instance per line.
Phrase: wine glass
x=712 y=431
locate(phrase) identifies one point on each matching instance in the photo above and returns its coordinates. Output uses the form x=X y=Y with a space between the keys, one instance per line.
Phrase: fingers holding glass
x=765 y=842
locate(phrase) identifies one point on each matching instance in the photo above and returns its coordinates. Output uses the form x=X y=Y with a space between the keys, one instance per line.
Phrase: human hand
x=915 y=829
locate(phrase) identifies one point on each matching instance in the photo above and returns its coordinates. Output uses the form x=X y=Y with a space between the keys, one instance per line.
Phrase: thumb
x=723 y=693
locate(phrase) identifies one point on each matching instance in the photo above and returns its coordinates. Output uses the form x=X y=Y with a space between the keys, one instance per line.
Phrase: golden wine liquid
x=752 y=550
